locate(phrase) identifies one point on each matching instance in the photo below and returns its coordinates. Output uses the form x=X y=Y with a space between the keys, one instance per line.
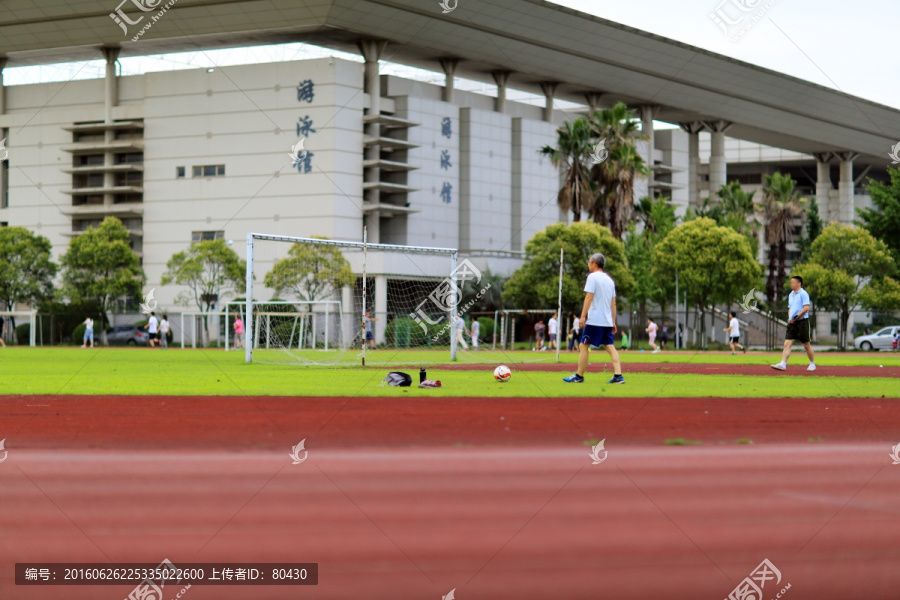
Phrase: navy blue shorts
x=597 y=335
x=369 y=335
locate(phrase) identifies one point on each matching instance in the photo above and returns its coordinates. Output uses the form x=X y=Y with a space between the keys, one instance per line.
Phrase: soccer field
x=107 y=371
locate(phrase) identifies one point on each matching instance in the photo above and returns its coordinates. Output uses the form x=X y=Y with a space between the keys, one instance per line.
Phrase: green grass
x=214 y=372
x=682 y=442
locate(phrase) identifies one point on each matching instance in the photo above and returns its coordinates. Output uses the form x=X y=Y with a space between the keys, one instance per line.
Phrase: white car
x=883 y=339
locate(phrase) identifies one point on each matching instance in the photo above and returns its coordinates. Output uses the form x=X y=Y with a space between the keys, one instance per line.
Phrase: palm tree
x=781 y=204
x=738 y=211
x=614 y=178
x=573 y=146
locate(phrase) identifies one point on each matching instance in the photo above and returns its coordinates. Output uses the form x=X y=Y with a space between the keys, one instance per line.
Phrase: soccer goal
x=322 y=301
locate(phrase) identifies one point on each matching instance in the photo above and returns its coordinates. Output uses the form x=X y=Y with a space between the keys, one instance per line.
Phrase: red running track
x=410 y=498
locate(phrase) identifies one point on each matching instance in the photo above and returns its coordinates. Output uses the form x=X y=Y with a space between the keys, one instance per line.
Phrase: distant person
x=734 y=329
x=3 y=332
x=369 y=335
x=164 y=332
x=238 y=332
x=896 y=344
x=798 y=328
x=681 y=335
x=624 y=341
x=88 y=332
x=664 y=334
x=652 y=327
x=552 y=327
x=539 y=329
x=460 y=331
x=476 y=331
x=598 y=318
x=153 y=327
x=575 y=333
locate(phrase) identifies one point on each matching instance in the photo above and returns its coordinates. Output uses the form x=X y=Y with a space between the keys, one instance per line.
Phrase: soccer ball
x=502 y=373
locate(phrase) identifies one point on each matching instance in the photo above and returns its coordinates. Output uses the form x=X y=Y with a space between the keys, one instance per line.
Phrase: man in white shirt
x=552 y=326
x=476 y=331
x=460 y=330
x=734 y=329
x=598 y=319
x=164 y=332
x=153 y=327
x=798 y=325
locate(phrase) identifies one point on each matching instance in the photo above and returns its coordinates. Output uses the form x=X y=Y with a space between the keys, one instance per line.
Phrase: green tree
x=848 y=270
x=813 y=230
x=658 y=218
x=614 y=177
x=781 y=205
x=311 y=272
x=737 y=210
x=573 y=145
x=26 y=270
x=883 y=220
x=536 y=283
x=715 y=264
x=101 y=265
x=210 y=270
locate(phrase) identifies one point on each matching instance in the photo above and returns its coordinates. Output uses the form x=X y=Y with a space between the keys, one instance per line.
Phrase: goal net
x=321 y=301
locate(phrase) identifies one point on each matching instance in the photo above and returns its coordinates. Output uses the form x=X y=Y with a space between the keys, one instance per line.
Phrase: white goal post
x=330 y=281
x=11 y=332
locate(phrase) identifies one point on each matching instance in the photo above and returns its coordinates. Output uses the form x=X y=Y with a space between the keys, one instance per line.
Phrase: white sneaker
x=811 y=367
x=655 y=351
x=779 y=366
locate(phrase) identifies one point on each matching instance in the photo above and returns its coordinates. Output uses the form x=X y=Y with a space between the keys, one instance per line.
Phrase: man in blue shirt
x=798 y=324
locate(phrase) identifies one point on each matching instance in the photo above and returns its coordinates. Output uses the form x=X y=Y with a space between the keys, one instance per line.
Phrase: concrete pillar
x=111 y=99
x=718 y=170
x=349 y=315
x=593 y=100
x=449 y=66
x=111 y=96
x=549 y=89
x=381 y=308
x=372 y=51
x=823 y=184
x=693 y=130
x=846 y=206
x=501 y=78
x=4 y=134
x=647 y=131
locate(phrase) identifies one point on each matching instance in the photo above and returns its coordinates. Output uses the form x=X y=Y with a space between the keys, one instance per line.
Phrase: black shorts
x=799 y=331
x=735 y=339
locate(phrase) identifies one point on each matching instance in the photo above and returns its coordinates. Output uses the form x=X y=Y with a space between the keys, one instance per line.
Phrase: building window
x=4 y=224
x=130 y=158
x=208 y=171
x=179 y=171
x=206 y=236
